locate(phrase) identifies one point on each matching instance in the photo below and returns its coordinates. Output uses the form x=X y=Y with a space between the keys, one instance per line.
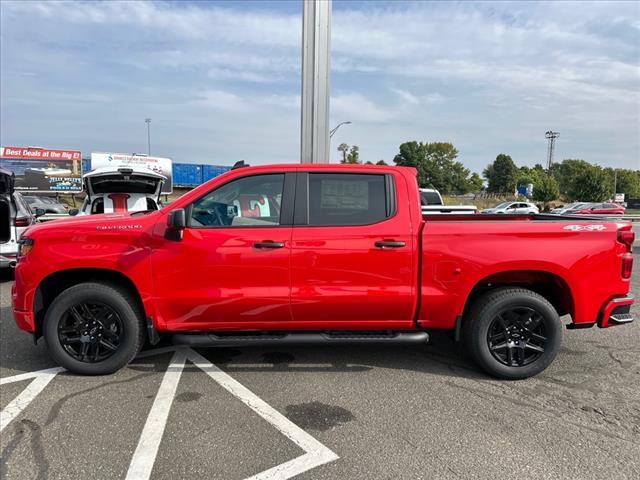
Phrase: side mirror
x=73 y=212
x=40 y=212
x=176 y=223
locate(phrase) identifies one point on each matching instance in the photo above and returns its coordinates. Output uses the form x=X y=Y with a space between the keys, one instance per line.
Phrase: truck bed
x=463 y=254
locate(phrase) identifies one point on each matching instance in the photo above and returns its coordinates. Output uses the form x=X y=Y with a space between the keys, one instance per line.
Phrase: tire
x=105 y=317
x=512 y=333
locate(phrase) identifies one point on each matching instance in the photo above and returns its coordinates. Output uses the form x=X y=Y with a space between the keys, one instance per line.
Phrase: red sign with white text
x=43 y=170
x=40 y=153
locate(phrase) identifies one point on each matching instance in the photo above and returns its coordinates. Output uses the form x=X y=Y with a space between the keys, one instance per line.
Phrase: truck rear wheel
x=512 y=333
x=93 y=329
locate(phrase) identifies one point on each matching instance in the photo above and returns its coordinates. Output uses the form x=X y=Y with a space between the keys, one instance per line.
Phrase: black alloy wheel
x=90 y=332
x=512 y=332
x=516 y=336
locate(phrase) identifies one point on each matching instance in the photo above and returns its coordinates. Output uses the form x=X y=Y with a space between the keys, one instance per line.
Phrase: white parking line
x=316 y=453
x=40 y=380
x=145 y=454
x=141 y=465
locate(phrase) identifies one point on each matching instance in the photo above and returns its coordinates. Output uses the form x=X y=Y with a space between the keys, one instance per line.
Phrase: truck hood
x=106 y=222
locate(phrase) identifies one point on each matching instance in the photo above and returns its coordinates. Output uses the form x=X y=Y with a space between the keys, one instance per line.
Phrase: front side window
x=346 y=199
x=246 y=202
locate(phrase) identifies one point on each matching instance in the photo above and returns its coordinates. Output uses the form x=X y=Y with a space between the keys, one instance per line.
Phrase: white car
x=513 y=207
x=15 y=217
x=431 y=202
x=123 y=189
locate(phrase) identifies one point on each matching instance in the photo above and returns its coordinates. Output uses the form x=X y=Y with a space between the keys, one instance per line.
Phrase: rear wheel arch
x=54 y=284
x=512 y=332
x=549 y=285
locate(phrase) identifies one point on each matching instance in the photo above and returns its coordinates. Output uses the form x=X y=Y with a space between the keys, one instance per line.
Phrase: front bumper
x=617 y=312
x=24 y=320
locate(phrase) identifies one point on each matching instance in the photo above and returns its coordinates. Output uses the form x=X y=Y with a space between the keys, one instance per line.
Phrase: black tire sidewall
x=94 y=292
x=499 y=301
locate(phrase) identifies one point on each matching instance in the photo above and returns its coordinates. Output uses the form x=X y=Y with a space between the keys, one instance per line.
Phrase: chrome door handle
x=389 y=244
x=269 y=244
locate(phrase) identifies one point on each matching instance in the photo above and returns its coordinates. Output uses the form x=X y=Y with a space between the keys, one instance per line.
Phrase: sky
x=221 y=80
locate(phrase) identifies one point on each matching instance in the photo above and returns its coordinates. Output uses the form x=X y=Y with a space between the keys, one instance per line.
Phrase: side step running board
x=231 y=340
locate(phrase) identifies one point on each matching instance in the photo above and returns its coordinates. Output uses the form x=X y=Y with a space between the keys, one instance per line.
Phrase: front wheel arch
x=54 y=284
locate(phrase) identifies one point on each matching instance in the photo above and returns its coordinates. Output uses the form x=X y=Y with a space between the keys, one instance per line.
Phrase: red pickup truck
x=318 y=253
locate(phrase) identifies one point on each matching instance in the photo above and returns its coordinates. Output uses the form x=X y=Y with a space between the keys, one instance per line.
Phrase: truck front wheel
x=93 y=329
x=512 y=333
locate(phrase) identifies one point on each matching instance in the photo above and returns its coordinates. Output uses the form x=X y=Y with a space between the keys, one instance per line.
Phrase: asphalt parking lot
x=323 y=413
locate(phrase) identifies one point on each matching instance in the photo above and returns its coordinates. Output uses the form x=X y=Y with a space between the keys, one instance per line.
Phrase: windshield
x=502 y=205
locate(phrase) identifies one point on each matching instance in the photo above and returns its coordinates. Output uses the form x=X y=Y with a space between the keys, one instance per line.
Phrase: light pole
x=335 y=129
x=148 y=122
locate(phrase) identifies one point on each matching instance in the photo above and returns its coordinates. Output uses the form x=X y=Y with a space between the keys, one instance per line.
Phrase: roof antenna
x=239 y=164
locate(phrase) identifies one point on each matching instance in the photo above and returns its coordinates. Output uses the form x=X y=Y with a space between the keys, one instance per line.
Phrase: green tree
x=475 y=182
x=566 y=174
x=625 y=181
x=343 y=148
x=436 y=165
x=545 y=189
x=381 y=162
x=591 y=185
x=501 y=175
x=353 y=156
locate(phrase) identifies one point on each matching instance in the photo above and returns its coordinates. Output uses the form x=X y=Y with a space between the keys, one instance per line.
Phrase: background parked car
x=15 y=216
x=48 y=204
x=513 y=207
x=600 y=209
x=570 y=208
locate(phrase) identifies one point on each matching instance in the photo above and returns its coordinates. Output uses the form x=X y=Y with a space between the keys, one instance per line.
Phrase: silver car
x=48 y=204
x=16 y=217
x=513 y=208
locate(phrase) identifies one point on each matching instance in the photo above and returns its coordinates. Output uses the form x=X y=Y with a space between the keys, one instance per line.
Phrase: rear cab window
x=349 y=199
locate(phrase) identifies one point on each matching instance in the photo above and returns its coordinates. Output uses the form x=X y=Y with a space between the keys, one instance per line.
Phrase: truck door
x=231 y=268
x=352 y=252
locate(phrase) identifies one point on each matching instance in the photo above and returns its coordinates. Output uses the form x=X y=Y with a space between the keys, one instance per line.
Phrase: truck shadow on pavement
x=442 y=356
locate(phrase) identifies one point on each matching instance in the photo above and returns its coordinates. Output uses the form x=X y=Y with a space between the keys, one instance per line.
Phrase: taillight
x=627 y=265
x=626 y=237
x=22 y=222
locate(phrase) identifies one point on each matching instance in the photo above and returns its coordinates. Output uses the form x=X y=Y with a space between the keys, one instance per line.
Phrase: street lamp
x=335 y=129
x=148 y=122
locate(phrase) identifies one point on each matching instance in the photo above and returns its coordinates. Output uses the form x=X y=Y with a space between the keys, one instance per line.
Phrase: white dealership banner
x=160 y=165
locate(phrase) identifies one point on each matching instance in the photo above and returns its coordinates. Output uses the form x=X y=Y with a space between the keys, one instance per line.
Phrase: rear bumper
x=7 y=260
x=616 y=312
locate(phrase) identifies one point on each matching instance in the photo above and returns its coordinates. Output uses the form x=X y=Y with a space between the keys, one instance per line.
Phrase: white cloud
x=489 y=76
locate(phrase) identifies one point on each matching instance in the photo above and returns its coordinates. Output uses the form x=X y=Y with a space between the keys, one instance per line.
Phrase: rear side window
x=347 y=199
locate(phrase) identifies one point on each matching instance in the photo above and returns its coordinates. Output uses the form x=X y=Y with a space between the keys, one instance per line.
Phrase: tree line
x=438 y=167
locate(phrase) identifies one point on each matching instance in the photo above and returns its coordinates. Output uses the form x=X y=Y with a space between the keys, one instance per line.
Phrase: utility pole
x=148 y=122
x=316 y=60
x=551 y=136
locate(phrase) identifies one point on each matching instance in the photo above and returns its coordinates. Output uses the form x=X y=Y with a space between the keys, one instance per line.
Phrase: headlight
x=25 y=245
